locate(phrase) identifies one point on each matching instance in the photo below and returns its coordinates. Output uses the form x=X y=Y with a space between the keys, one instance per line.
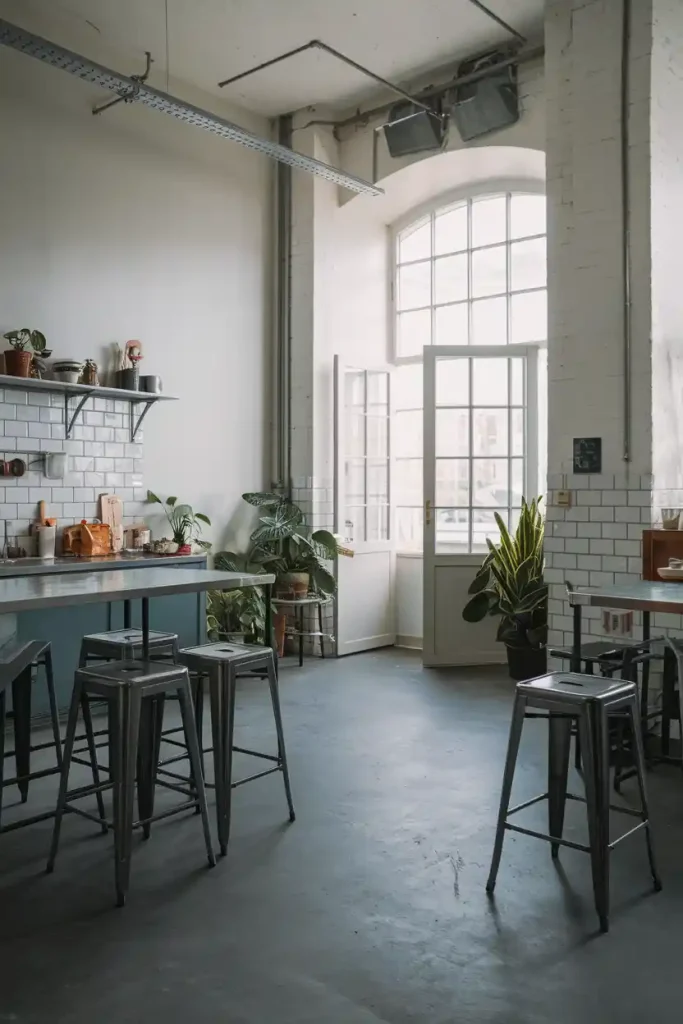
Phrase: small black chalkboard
x=587 y=454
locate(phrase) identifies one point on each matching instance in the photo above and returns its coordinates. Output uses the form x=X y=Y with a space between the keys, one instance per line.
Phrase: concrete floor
x=371 y=907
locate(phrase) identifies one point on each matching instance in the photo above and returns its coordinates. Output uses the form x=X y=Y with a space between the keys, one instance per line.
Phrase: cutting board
x=111 y=513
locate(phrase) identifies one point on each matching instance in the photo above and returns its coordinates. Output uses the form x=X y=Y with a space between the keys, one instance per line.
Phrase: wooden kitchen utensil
x=111 y=513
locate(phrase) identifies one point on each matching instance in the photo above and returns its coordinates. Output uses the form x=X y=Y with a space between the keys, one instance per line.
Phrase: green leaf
x=278 y=526
x=260 y=498
x=204 y=519
x=171 y=501
x=327 y=542
x=477 y=608
x=324 y=581
x=38 y=341
x=153 y=499
x=480 y=582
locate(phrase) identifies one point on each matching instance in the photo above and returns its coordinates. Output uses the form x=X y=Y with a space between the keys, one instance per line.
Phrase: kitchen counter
x=70 y=563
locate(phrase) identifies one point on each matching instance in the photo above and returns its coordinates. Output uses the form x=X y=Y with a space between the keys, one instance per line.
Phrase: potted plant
x=17 y=359
x=185 y=523
x=238 y=615
x=509 y=585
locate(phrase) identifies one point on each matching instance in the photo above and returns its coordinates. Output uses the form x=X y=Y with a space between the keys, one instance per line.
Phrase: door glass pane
x=415 y=242
x=378 y=435
x=528 y=264
x=484 y=526
x=517 y=481
x=452 y=432
x=355 y=434
x=489 y=271
x=450 y=230
x=451 y=324
x=407 y=482
x=489 y=432
x=488 y=221
x=407 y=433
x=452 y=482
x=490 y=322
x=527 y=216
x=378 y=522
x=414 y=332
x=517 y=383
x=452 y=381
x=378 y=390
x=490 y=483
x=355 y=481
x=489 y=381
x=378 y=482
x=414 y=285
x=354 y=389
x=409 y=528
x=517 y=432
x=407 y=386
x=529 y=315
x=450 y=278
x=451 y=530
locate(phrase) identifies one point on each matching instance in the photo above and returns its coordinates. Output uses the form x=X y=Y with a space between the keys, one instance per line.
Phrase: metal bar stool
x=133 y=691
x=590 y=701
x=223 y=664
x=18 y=660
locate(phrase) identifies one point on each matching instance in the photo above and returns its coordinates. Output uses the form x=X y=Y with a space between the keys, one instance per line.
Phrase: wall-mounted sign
x=587 y=454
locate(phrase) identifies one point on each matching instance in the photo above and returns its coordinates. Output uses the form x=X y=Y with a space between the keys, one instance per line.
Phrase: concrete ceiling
x=210 y=40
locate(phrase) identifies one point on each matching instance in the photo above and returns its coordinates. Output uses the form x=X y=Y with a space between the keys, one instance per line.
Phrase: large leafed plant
x=510 y=585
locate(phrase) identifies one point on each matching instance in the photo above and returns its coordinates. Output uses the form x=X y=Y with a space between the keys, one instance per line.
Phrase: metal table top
x=644 y=595
x=28 y=593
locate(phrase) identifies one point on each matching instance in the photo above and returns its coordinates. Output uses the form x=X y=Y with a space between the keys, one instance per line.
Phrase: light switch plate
x=563 y=499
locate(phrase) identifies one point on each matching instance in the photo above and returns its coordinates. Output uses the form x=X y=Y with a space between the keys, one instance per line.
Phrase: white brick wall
x=101 y=459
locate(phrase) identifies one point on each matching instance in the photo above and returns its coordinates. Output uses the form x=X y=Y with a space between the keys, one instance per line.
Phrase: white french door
x=365 y=603
x=480 y=458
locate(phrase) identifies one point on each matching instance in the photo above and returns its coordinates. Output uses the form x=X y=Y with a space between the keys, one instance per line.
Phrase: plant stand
x=300 y=605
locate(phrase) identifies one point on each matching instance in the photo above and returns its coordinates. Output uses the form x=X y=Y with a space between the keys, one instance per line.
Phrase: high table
x=30 y=593
x=642 y=596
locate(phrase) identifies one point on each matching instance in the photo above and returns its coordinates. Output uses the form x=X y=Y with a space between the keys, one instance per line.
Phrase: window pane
x=407 y=386
x=414 y=332
x=527 y=216
x=451 y=324
x=452 y=530
x=517 y=428
x=354 y=473
x=378 y=390
x=528 y=264
x=407 y=434
x=354 y=388
x=355 y=434
x=450 y=230
x=517 y=477
x=415 y=242
x=490 y=483
x=450 y=279
x=517 y=394
x=489 y=381
x=488 y=221
x=414 y=285
x=409 y=528
x=453 y=432
x=489 y=322
x=378 y=522
x=407 y=482
x=484 y=526
x=378 y=436
x=378 y=481
x=489 y=274
x=452 y=381
x=452 y=482
x=354 y=524
x=529 y=316
x=489 y=432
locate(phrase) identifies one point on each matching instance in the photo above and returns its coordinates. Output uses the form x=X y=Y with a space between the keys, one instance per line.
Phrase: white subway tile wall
x=100 y=459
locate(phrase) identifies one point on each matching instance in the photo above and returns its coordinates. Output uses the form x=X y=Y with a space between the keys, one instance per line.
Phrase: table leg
x=645 y=687
x=301 y=636
x=127 y=615
x=268 y=639
x=145 y=629
x=575 y=662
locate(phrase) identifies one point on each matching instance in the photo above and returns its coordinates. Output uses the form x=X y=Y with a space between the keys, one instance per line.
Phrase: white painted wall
x=134 y=225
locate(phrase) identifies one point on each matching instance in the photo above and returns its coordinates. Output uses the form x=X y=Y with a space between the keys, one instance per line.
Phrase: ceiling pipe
x=82 y=67
x=498 y=20
x=626 y=222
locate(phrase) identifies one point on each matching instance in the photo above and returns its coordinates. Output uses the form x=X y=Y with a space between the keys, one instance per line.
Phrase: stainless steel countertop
x=12 y=567
x=643 y=595
x=60 y=591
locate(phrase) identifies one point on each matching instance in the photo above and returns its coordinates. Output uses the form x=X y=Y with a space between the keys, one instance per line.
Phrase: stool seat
x=574 y=688
x=199 y=659
x=144 y=675
x=127 y=643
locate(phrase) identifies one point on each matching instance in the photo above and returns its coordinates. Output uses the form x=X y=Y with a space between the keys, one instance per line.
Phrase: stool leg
x=54 y=717
x=668 y=683
x=282 y=753
x=222 y=723
x=125 y=729
x=21 y=706
x=508 y=775
x=69 y=738
x=83 y=656
x=92 y=753
x=320 y=626
x=301 y=636
x=597 y=805
x=149 y=746
x=559 y=741
x=639 y=757
x=3 y=706
x=185 y=700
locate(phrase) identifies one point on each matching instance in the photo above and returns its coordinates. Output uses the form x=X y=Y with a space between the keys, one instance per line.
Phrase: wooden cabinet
x=658 y=547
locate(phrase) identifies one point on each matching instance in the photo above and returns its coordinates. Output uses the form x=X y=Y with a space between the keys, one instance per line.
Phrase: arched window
x=471 y=272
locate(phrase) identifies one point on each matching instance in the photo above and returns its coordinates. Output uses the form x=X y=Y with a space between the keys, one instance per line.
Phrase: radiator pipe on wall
x=283 y=327
x=626 y=221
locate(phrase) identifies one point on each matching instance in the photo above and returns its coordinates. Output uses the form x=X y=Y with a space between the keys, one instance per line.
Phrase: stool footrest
x=546 y=838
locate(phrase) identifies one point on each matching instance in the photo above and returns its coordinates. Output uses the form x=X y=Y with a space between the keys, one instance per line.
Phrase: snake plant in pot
x=509 y=585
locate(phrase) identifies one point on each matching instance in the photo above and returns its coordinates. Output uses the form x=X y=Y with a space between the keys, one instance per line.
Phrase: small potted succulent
x=185 y=523
x=18 y=359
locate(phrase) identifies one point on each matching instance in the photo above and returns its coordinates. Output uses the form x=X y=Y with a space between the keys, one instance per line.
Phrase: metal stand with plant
x=509 y=585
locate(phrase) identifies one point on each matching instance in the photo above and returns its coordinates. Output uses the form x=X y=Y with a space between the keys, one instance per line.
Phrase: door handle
x=428 y=512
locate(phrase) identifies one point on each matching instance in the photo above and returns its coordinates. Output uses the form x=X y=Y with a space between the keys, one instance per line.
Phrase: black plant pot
x=526 y=662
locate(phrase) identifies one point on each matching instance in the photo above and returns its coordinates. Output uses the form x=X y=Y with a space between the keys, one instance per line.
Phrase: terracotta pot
x=279 y=626
x=291 y=585
x=18 y=362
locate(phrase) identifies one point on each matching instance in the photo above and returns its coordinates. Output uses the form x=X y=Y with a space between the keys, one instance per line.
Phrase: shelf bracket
x=136 y=424
x=70 y=420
